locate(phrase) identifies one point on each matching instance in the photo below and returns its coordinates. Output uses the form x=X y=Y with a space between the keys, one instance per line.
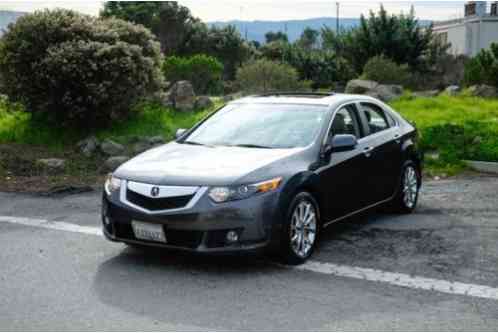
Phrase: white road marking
x=368 y=274
x=56 y=225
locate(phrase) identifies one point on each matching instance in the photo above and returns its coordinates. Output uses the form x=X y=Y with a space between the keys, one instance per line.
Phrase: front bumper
x=200 y=228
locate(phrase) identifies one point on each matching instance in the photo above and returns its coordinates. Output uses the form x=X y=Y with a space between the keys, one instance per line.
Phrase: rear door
x=382 y=147
x=342 y=176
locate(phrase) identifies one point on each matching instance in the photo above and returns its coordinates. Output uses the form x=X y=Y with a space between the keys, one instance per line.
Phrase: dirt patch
x=19 y=171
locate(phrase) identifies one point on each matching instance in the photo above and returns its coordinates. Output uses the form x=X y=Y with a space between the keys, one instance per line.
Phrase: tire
x=407 y=194
x=300 y=231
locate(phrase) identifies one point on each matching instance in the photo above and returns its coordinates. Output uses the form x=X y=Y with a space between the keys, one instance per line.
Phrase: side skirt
x=325 y=225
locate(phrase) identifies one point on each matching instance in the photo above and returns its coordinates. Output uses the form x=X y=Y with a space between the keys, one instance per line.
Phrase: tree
x=76 y=69
x=271 y=36
x=400 y=38
x=483 y=68
x=169 y=21
x=309 y=38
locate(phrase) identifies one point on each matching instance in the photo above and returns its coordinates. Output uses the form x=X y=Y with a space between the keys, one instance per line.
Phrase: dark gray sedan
x=266 y=172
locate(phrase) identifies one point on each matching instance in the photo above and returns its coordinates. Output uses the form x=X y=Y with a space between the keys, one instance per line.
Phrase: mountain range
x=251 y=30
x=256 y=30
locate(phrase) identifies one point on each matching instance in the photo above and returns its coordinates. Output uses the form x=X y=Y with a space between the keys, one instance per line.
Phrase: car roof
x=303 y=99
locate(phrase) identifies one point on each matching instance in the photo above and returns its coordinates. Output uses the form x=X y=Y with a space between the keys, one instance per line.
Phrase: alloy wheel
x=303 y=228
x=410 y=187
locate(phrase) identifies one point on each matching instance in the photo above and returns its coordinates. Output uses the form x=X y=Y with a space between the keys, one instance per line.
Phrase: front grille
x=155 y=204
x=180 y=238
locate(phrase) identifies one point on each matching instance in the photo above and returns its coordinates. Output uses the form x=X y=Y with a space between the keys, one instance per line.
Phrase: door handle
x=367 y=151
x=397 y=138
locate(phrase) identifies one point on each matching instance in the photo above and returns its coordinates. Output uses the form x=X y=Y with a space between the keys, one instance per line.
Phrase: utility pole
x=337 y=17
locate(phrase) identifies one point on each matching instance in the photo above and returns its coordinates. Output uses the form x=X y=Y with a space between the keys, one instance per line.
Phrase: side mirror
x=180 y=132
x=340 y=143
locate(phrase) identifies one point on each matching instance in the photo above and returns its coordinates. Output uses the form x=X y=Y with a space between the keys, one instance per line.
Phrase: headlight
x=112 y=184
x=224 y=194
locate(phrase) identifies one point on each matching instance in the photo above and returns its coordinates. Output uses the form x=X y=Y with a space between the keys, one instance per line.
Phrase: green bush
x=483 y=68
x=205 y=72
x=265 y=76
x=73 y=69
x=385 y=71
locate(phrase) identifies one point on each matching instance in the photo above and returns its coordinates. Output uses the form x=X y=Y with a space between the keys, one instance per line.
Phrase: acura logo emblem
x=154 y=191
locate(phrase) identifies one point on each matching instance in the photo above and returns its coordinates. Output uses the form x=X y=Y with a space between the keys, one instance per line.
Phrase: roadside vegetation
x=453 y=129
x=132 y=76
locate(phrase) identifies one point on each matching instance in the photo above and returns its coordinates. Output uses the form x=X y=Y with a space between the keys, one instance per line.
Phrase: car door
x=342 y=175
x=382 y=147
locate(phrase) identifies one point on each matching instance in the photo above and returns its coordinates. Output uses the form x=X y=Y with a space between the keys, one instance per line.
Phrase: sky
x=275 y=10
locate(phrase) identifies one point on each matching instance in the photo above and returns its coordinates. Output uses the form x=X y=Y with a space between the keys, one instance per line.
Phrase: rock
x=163 y=98
x=360 y=86
x=112 y=163
x=203 y=102
x=426 y=93
x=384 y=92
x=483 y=90
x=388 y=92
x=140 y=147
x=111 y=148
x=182 y=96
x=88 y=146
x=52 y=164
x=452 y=90
x=156 y=140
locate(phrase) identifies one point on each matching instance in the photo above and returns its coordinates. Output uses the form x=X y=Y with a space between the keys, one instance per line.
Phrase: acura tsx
x=266 y=172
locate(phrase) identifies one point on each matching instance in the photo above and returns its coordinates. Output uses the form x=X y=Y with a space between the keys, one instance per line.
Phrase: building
x=472 y=33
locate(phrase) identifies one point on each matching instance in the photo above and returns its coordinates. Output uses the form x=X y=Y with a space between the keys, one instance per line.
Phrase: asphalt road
x=71 y=279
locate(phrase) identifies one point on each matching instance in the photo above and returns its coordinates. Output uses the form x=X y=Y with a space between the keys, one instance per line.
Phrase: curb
x=487 y=167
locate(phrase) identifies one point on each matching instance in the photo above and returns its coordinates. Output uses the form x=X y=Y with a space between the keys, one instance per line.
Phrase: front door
x=341 y=177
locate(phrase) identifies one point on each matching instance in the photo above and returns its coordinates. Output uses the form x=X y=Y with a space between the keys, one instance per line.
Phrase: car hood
x=189 y=165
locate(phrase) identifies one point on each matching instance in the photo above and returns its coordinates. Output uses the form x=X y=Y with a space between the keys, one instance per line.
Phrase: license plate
x=148 y=231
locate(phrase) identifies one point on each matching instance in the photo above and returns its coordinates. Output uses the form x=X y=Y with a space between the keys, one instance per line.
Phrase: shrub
x=265 y=75
x=75 y=69
x=483 y=68
x=205 y=72
x=386 y=71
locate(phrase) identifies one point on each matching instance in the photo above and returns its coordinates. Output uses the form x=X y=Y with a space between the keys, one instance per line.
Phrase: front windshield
x=261 y=126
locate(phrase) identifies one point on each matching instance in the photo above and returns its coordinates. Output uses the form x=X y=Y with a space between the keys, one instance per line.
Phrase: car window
x=345 y=122
x=375 y=117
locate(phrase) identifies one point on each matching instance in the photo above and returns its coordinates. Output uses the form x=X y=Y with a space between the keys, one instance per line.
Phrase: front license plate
x=148 y=231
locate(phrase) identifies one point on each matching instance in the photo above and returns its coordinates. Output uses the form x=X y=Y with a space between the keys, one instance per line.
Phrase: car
x=266 y=173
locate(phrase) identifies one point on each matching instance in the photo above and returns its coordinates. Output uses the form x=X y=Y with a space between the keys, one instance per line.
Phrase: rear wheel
x=406 y=198
x=301 y=229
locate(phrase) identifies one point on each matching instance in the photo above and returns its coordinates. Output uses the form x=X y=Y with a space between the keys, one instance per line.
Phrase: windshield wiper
x=248 y=145
x=196 y=143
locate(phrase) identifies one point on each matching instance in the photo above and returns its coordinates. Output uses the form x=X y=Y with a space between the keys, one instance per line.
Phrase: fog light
x=232 y=236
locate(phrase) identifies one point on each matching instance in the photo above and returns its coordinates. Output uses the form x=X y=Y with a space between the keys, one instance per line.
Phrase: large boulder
x=53 y=165
x=112 y=163
x=203 y=102
x=111 y=148
x=483 y=90
x=182 y=96
x=360 y=86
x=88 y=146
x=384 y=92
x=388 y=92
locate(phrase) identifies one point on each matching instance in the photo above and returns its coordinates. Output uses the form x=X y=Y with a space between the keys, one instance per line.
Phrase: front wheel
x=301 y=229
x=406 y=198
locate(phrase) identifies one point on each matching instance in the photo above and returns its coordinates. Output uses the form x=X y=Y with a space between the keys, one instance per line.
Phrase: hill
x=256 y=30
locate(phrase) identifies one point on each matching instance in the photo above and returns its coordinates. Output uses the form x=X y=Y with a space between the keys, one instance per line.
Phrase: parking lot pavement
x=72 y=279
